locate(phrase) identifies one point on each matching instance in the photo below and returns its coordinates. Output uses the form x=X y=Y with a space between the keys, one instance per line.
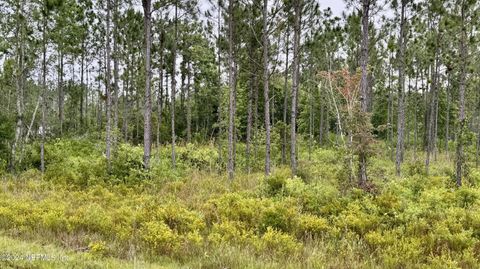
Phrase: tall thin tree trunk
x=431 y=115
x=126 y=102
x=19 y=82
x=82 y=82
x=250 y=109
x=220 y=90
x=285 y=98
x=87 y=87
x=44 y=89
x=232 y=84
x=107 y=89
x=310 y=124
x=61 y=97
x=116 y=75
x=362 y=169
x=147 y=133
x=189 y=104
x=461 y=102
x=447 y=123
x=295 y=83
x=160 y=93
x=390 y=111
x=415 y=107
x=401 y=92
x=255 y=114
x=265 y=87
x=174 y=85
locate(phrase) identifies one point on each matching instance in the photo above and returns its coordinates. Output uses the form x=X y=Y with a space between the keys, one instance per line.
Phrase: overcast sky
x=337 y=6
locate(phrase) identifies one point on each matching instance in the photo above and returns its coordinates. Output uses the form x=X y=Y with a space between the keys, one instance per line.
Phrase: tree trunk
x=174 y=85
x=447 y=123
x=295 y=83
x=232 y=86
x=362 y=169
x=126 y=102
x=285 y=99
x=265 y=88
x=431 y=118
x=44 y=89
x=60 y=91
x=189 y=104
x=147 y=129
x=461 y=102
x=415 y=107
x=220 y=90
x=107 y=89
x=390 y=111
x=401 y=92
x=82 y=82
x=160 y=93
x=310 y=124
x=20 y=28
x=250 y=108
x=116 y=75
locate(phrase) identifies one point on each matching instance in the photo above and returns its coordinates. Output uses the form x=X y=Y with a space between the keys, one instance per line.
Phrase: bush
x=200 y=157
x=77 y=171
x=466 y=197
x=127 y=163
x=235 y=207
x=310 y=226
x=275 y=183
x=274 y=241
x=231 y=232
x=280 y=216
x=158 y=237
x=179 y=218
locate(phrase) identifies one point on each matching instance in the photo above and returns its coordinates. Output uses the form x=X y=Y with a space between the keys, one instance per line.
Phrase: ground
x=78 y=215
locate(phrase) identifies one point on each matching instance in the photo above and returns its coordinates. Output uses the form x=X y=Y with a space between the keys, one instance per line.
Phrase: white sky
x=337 y=6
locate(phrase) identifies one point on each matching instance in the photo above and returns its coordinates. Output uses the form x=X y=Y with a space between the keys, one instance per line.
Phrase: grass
x=15 y=253
x=196 y=218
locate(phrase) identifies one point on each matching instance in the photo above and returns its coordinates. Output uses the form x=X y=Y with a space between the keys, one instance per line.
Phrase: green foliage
x=275 y=183
x=127 y=163
x=193 y=215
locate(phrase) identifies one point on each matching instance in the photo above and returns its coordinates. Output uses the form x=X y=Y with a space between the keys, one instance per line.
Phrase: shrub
x=179 y=218
x=98 y=248
x=275 y=183
x=274 y=241
x=466 y=197
x=315 y=198
x=235 y=207
x=379 y=239
x=158 y=237
x=127 y=163
x=402 y=253
x=279 y=216
x=358 y=217
x=232 y=232
x=91 y=218
x=312 y=226
x=79 y=171
x=200 y=157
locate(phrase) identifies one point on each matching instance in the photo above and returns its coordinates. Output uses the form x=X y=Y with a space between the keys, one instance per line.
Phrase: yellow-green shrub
x=277 y=242
x=158 y=237
x=312 y=226
x=281 y=216
x=231 y=232
x=235 y=207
